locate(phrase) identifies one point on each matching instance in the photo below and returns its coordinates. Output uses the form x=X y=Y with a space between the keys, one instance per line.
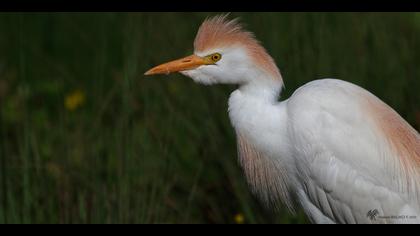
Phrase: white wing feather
x=346 y=168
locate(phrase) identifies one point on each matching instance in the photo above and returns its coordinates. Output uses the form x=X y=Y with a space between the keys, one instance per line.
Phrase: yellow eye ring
x=216 y=57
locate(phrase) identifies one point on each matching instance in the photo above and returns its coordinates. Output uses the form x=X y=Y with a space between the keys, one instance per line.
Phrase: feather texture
x=219 y=32
x=267 y=178
x=346 y=156
x=403 y=141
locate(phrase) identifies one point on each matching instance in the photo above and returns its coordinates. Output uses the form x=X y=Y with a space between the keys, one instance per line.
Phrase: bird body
x=333 y=148
x=322 y=149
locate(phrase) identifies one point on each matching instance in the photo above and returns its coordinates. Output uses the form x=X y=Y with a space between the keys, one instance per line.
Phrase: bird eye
x=215 y=57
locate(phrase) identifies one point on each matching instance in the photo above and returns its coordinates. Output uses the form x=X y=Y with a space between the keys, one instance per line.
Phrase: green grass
x=161 y=149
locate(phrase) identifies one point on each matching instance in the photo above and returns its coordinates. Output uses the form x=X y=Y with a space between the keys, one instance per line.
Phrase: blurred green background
x=86 y=138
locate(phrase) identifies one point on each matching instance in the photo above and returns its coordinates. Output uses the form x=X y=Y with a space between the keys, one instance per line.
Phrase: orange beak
x=186 y=63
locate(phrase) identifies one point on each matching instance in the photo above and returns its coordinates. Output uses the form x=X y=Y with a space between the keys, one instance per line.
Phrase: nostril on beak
x=186 y=60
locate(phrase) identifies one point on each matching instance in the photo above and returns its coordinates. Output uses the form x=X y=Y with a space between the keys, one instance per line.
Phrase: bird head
x=223 y=53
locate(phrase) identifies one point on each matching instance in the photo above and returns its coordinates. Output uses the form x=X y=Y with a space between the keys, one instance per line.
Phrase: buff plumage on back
x=403 y=140
x=218 y=32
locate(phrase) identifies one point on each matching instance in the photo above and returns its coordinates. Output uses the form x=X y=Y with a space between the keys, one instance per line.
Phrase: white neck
x=265 y=89
x=255 y=112
x=261 y=122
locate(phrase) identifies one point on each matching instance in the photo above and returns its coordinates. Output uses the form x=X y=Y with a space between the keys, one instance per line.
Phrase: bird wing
x=348 y=171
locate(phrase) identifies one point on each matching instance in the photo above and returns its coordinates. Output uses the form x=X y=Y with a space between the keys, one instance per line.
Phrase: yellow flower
x=239 y=218
x=74 y=100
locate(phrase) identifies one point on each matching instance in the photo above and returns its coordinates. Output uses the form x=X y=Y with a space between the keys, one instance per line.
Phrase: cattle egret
x=333 y=148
